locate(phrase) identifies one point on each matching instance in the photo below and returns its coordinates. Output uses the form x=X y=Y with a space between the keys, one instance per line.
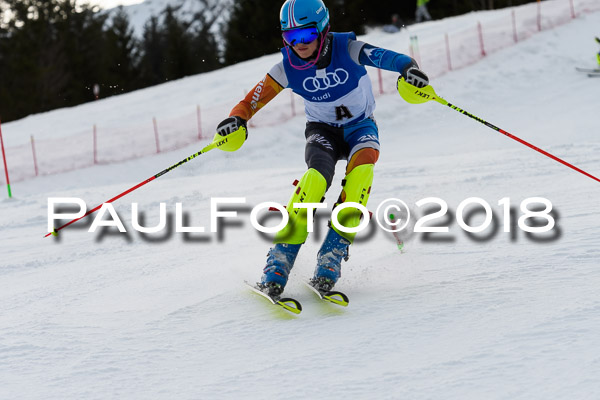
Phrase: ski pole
x=415 y=95
x=231 y=142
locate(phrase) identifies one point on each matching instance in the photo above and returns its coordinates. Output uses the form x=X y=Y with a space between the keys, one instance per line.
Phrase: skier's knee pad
x=310 y=189
x=357 y=188
x=362 y=157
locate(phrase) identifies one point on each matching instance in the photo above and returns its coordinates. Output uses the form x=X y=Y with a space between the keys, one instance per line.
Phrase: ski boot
x=280 y=261
x=329 y=260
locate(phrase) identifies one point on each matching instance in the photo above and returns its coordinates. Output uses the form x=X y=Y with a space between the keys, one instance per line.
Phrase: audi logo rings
x=331 y=79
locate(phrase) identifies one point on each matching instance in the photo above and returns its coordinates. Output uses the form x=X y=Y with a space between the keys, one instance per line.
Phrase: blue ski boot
x=280 y=261
x=329 y=260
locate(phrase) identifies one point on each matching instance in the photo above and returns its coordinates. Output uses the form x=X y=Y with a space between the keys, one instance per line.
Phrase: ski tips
x=291 y=305
x=287 y=303
x=338 y=298
x=332 y=296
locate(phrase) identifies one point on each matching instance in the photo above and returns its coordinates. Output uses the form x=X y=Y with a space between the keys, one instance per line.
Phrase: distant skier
x=395 y=26
x=422 y=13
x=598 y=55
x=328 y=70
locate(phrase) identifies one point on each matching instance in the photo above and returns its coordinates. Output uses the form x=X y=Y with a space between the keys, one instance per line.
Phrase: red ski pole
x=231 y=142
x=502 y=131
x=415 y=95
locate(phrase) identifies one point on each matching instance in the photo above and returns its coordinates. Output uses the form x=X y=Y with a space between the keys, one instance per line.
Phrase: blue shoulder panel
x=384 y=59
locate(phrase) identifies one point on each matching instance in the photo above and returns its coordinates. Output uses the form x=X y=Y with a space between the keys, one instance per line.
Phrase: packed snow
x=493 y=315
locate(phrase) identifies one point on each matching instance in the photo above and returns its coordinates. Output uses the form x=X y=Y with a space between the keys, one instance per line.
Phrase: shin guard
x=310 y=189
x=357 y=188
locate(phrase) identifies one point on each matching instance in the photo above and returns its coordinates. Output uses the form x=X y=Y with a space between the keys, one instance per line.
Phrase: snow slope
x=167 y=315
x=139 y=14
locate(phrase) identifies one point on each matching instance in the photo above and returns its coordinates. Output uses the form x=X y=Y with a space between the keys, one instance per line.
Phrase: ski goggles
x=304 y=35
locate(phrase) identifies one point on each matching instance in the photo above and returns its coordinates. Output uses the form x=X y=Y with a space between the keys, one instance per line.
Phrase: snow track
x=120 y=316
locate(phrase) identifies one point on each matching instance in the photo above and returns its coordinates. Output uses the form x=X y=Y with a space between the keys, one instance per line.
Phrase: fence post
x=539 y=15
x=514 y=23
x=448 y=53
x=292 y=103
x=380 y=77
x=414 y=49
x=5 y=166
x=572 y=9
x=199 y=122
x=156 y=135
x=95 y=145
x=480 y=30
x=35 y=166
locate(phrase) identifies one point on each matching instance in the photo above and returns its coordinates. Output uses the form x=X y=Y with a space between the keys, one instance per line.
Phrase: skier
x=395 y=26
x=328 y=70
x=598 y=55
x=422 y=12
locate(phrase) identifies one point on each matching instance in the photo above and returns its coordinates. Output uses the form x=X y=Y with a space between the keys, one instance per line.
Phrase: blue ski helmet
x=300 y=13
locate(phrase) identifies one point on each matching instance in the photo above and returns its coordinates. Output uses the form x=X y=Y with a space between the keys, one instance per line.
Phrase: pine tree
x=205 y=46
x=81 y=33
x=174 y=48
x=179 y=61
x=34 y=58
x=253 y=30
x=153 y=54
x=122 y=54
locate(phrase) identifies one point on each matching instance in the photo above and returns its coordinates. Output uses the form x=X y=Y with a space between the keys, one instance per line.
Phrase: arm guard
x=385 y=59
x=257 y=98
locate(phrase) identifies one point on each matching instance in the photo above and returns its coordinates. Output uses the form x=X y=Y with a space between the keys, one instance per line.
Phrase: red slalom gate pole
x=5 y=166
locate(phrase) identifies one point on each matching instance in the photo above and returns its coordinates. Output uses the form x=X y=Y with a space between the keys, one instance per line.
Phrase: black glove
x=415 y=77
x=231 y=124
